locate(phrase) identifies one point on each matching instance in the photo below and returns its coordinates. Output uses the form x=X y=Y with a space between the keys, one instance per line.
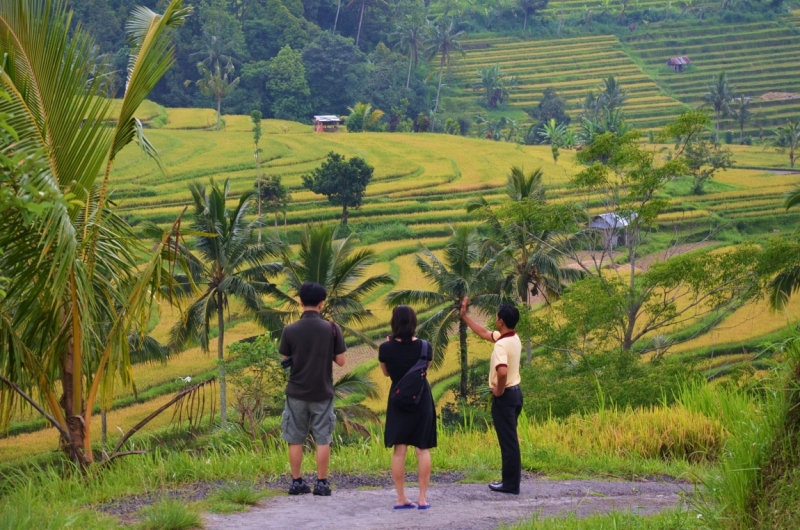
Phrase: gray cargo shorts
x=300 y=417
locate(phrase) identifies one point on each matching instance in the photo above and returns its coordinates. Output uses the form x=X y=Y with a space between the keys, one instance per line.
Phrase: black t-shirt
x=310 y=343
x=399 y=357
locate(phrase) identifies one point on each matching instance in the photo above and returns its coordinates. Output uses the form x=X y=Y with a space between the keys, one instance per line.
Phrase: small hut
x=326 y=123
x=614 y=228
x=679 y=63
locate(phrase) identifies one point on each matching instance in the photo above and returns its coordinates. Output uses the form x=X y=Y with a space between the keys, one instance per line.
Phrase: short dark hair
x=404 y=323
x=509 y=315
x=311 y=294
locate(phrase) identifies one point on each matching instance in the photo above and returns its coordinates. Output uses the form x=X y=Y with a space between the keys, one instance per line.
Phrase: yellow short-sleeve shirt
x=507 y=351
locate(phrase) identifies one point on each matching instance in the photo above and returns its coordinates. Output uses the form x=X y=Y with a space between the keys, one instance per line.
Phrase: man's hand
x=496 y=392
x=464 y=304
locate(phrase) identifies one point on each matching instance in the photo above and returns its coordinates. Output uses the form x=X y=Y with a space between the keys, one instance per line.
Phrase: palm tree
x=555 y=135
x=494 y=85
x=363 y=118
x=461 y=273
x=78 y=266
x=228 y=264
x=443 y=41
x=788 y=139
x=719 y=96
x=213 y=48
x=338 y=266
x=216 y=83
x=787 y=281
x=612 y=96
x=742 y=113
x=410 y=36
x=526 y=251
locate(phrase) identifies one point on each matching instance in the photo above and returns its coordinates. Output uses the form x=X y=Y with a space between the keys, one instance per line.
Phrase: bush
x=395 y=231
x=728 y=137
x=256 y=374
x=169 y=514
x=242 y=494
x=555 y=387
x=747 y=140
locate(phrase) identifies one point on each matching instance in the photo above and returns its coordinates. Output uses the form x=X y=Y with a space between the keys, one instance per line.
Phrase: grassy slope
x=421 y=180
x=758 y=58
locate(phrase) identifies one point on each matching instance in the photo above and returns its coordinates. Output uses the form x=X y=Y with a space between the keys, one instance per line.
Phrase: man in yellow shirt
x=504 y=381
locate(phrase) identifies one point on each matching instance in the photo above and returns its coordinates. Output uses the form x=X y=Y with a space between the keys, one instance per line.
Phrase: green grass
x=669 y=520
x=169 y=514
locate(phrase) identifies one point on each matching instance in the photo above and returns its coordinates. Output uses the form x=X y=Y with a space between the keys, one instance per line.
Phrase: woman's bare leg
x=424 y=471
x=399 y=473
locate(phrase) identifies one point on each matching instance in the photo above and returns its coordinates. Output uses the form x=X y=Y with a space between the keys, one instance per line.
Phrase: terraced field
x=573 y=66
x=758 y=58
x=421 y=184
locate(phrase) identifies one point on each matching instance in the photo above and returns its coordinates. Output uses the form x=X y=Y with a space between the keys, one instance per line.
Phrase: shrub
x=169 y=514
x=555 y=387
x=728 y=137
x=394 y=231
x=259 y=380
x=236 y=493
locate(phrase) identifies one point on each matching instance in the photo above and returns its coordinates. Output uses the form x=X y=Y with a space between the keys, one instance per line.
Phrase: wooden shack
x=326 y=123
x=613 y=227
x=679 y=63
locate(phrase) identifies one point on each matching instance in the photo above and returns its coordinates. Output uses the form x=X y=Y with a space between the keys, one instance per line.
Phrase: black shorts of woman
x=416 y=428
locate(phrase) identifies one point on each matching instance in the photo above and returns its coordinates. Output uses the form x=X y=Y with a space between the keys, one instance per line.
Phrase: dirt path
x=453 y=506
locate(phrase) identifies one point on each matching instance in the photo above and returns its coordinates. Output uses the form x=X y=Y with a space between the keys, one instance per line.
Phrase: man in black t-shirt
x=313 y=345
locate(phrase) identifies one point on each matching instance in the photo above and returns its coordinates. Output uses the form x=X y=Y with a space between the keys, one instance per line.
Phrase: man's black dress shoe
x=499 y=488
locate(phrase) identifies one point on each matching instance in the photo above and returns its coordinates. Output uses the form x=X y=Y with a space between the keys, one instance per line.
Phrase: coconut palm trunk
x=219 y=109
x=439 y=88
x=223 y=393
x=410 y=59
x=462 y=339
x=360 y=20
x=336 y=20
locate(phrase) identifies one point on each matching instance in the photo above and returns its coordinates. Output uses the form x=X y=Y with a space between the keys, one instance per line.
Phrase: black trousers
x=505 y=411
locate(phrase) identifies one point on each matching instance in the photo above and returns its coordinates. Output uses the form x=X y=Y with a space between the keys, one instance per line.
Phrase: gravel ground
x=454 y=506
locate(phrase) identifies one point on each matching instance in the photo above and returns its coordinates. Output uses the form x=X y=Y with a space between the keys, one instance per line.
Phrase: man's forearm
x=477 y=328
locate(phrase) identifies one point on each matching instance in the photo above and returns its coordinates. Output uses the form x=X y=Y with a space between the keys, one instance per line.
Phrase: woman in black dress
x=418 y=428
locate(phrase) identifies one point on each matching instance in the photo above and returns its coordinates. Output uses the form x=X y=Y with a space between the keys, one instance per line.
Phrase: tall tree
x=787 y=139
x=718 y=96
x=216 y=83
x=287 y=86
x=337 y=265
x=742 y=113
x=529 y=8
x=443 y=41
x=227 y=265
x=275 y=196
x=410 y=36
x=523 y=247
x=363 y=4
x=342 y=181
x=78 y=267
x=461 y=273
x=255 y=118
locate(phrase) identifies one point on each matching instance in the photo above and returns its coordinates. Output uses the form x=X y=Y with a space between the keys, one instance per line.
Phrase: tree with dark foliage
x=342 y=181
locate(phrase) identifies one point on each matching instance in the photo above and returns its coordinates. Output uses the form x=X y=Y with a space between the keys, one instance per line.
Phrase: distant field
x=421 y=182
x=758 y=58
x=573 y=66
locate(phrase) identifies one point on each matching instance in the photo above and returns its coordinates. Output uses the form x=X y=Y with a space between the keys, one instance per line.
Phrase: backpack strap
x=333 y=332
x=426 y=347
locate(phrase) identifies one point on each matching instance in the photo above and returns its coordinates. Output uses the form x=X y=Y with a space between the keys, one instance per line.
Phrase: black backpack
x=408 y=392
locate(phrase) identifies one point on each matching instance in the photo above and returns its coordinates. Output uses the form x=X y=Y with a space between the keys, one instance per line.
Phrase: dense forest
x=291 y=59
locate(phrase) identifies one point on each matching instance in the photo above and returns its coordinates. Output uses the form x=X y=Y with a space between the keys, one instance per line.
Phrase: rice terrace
x=591 y=207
